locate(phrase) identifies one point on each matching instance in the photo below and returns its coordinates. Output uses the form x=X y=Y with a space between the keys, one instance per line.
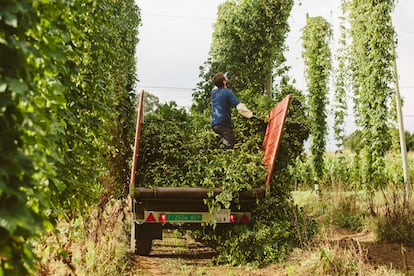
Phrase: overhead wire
x=165 y=87
x=179 y=16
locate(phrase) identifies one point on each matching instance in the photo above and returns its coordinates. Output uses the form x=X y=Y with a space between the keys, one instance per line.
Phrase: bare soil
x=181 y=255
x=377 y=253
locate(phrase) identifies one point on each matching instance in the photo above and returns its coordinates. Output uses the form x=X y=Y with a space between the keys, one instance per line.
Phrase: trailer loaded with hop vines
x=155 y=208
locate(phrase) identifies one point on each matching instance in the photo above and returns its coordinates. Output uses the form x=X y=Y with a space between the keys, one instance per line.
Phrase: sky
x=175 y=38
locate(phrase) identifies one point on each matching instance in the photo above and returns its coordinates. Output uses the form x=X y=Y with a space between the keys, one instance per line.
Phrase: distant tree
x=151 y=102
x=353 y=142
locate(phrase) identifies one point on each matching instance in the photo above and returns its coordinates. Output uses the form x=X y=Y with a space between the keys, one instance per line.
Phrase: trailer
x=158 y=208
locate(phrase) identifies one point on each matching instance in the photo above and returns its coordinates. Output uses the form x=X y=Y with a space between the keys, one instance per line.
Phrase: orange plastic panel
x=273 y=135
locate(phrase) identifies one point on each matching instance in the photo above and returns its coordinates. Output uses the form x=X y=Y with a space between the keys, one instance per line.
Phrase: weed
x=334 y=257
x=396 y=222
x=346 y=212
x=93 y=245
x=343 y=209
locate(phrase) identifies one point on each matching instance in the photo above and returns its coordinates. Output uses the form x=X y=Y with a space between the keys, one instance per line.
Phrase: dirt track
x=181 y=255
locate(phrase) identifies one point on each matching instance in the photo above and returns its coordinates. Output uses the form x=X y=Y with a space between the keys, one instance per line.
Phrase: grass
x=87 y=245
x=344 y=209
x=331 y=259
x=389 y=222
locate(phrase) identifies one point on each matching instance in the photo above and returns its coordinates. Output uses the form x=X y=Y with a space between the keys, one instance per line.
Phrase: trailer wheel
x=143 y=247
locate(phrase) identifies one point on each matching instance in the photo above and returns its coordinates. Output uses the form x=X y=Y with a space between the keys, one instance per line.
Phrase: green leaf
x=3 y=87
x=8 y=222
x=11 y=20
x=18 y=86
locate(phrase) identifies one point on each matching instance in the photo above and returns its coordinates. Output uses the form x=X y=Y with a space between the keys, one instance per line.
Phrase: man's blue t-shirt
x=222 y=100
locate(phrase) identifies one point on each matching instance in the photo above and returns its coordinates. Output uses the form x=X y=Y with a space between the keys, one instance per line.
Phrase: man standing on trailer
x=222 y=100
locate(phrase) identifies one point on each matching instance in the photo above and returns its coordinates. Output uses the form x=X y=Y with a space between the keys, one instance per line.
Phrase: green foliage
x=21 y=215
x=342 y=83
x=336 y=206
x=278 y=227
x=317 y=58
x=397 y=223
x=339 y=170
x=344 y=170
x=409 y=139
x=82 y=245
x=151 y=103
x=248 y=41
x=332 y=262
x=178 y=151
x=66 y=71
x=164 y=147
x=99 y=116
x=371 y=59
x=353 y=142
x=346 y=212
x=119 y=41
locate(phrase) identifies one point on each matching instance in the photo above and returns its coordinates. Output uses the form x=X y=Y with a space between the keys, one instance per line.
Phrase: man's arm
x=241 y=107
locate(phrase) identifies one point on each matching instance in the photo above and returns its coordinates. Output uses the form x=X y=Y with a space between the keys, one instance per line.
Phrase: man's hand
x=244 y=111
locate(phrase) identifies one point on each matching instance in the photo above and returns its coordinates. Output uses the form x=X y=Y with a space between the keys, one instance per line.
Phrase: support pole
x=140 y=115
x=401 y=129
x=269 y=84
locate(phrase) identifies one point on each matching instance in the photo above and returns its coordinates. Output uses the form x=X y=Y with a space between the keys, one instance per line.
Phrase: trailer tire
x=143 y=247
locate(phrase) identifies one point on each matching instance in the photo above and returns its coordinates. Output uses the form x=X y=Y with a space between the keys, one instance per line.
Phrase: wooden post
x=136 y=143
x=401 y=129
x=140 y=116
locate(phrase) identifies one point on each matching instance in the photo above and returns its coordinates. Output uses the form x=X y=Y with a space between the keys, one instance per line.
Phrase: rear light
x=162 y=217
x=151 y=218
x=244 y=218
x=233 y=218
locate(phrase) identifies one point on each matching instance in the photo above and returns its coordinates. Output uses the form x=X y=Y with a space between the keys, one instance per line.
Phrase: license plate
x=184 y=217
x=222 y=216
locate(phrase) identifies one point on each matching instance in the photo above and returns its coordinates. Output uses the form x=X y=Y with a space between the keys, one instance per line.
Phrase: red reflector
x=162 y=218
x=233 y=218
x=244 y=218
x=150 y=217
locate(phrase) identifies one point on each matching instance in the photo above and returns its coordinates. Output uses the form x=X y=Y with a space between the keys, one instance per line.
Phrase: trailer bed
x=163 y=193
x=163 y=207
